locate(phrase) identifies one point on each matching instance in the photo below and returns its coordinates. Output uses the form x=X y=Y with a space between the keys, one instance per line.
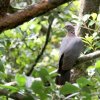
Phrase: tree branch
x=18 y=18
x=43 y=48
x=87 y=58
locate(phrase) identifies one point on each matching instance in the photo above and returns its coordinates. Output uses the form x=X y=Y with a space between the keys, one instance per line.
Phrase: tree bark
x=13 y=20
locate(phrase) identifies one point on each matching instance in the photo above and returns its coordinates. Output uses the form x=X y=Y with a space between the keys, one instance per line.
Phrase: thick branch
x=18 y=18
x=88 y=57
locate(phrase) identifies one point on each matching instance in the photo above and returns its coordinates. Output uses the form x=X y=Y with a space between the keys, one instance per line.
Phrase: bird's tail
x=64 y=75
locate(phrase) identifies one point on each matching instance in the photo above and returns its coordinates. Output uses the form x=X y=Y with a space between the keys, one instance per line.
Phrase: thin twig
x=11 y=83
x=42 y=50
x=89 y=29
x=70 y=96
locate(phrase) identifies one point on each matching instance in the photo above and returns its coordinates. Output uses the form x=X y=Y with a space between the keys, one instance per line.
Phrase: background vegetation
x=36 y=44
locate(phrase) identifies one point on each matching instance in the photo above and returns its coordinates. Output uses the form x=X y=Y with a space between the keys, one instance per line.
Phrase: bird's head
x=70 y=29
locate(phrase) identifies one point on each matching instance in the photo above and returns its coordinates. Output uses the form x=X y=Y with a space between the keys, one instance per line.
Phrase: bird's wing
x=68 y=61
x=70 y=49
x=64 y=45
x=60 y=63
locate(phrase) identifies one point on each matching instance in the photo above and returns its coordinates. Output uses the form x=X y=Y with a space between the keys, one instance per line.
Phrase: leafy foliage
x=19 y=48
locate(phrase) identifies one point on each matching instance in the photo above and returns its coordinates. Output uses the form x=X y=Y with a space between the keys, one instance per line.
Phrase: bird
x=70 y=49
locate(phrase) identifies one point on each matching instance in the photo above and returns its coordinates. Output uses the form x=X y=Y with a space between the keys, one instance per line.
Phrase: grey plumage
x=70 y=50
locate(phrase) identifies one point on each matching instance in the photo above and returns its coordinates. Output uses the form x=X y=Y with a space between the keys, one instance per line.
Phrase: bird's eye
x=67 y=27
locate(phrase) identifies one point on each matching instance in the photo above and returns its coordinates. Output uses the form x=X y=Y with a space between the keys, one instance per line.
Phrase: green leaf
x=83 y=82
x=8 y=87
x=43 y=73
x=2 y=50
x=87 y=96
x=2 y=69
x=28 y=97
x=94 y=16
x=89 y=39
x=97 y=66
x=24 y=27
x=98 y=17
x=2 y=75
x=21 y=80
x=91 y=23
x=68 y=88
x=37 y=86
x=86 y=17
